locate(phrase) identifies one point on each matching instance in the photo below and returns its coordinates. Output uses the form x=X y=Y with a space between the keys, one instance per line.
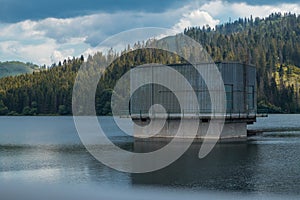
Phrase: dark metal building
x=239 y=83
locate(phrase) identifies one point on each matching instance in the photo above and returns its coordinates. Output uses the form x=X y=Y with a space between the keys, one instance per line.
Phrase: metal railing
x=142 y=114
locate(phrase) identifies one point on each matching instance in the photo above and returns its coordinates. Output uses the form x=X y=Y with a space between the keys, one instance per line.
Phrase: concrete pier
x=232 y=129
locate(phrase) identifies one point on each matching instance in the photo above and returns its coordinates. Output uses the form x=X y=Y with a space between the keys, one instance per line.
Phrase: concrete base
x=232 y=130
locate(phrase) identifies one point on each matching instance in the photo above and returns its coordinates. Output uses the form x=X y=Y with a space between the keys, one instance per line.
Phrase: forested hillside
x=50 y=91
x=272 y=44
x=14 y=68
x=44 y=92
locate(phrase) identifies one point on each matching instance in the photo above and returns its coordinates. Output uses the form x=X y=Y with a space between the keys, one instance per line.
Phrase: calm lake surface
x=48 y=150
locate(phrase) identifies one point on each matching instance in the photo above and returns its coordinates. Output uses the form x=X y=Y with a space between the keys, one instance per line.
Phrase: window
x=250 y=97
x=229 y=97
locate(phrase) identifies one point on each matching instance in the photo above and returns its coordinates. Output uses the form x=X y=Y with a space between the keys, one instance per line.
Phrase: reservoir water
x=48 y=150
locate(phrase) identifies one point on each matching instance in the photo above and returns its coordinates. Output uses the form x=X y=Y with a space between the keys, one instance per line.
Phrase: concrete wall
x=231 y=130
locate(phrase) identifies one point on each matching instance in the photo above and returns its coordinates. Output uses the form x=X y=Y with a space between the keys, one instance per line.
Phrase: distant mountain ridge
x=13 y=68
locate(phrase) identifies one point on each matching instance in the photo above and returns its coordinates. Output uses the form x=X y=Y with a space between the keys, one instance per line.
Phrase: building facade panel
x=239 y=84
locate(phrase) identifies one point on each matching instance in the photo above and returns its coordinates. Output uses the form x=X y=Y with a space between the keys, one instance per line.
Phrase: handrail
x=193 y=113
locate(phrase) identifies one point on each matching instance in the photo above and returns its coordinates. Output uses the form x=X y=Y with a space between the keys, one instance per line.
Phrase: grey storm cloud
x=97 y=27
x=12 y=11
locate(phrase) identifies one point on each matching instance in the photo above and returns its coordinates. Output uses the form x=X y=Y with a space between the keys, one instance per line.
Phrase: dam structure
x=240 y=91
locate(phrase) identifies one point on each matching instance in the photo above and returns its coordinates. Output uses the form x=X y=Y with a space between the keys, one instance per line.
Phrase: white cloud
x=16 y=50
x=196 y=18
x=245 y=10
x=50 y=40
x=224 y=10
x=20 y=30
x=97 y=27
x=61 y=55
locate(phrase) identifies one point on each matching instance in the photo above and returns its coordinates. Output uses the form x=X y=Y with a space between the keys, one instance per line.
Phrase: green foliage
x=3 y=108
x=41 y=92
x=62 y=110
x=272 y=44
x=12 y=113
x=26 y=111
x=270 y=108
x=14 y=68
x=103 y=102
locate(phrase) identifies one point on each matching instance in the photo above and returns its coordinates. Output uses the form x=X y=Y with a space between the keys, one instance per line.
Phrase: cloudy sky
x=44 y=31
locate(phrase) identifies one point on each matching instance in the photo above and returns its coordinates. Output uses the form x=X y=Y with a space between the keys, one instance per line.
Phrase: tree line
x=272 y=44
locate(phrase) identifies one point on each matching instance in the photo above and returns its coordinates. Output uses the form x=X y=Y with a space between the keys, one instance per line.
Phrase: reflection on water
x=55 y=164
x=245 y=167
x=265 y=164
x=277 y=122
x=226 y=168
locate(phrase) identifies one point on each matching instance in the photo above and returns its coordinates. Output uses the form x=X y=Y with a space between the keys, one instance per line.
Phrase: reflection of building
x=240 y=87
x=215 y=172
